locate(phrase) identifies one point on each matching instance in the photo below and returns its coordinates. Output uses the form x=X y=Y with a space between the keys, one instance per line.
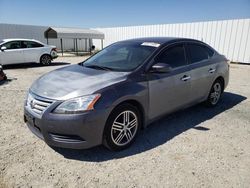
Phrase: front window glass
x=174 y=56
x=120 y=57
x=13 y=45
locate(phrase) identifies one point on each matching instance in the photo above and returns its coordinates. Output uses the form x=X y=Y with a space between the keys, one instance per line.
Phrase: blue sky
x=112 y=13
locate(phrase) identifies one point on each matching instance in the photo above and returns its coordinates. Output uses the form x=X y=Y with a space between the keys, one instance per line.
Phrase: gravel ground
x=197 y=147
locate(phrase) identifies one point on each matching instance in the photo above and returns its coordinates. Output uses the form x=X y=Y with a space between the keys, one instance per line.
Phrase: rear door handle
x=211 y=70
x=185 y=78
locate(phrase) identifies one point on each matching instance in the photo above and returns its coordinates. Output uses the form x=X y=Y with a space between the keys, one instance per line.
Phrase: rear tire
x=215 y=93
x=122 y=127
x=45 y=59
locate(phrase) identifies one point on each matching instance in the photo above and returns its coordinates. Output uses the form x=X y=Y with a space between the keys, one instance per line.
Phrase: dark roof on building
x=61 y=32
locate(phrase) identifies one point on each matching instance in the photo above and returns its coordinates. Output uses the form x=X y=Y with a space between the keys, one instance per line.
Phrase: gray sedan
x=111 y=96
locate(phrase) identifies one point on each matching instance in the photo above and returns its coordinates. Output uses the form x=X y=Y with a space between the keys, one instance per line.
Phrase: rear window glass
x=210 y=51
x=31 y=44
x=198 y=53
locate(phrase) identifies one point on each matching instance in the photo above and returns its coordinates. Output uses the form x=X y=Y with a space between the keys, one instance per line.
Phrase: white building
x=229 y=37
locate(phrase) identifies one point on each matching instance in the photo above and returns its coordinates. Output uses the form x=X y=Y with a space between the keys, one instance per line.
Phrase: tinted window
x=31 y=44
x=197 y=53
x=174 y=56
x=13 y=45
x=210 y=51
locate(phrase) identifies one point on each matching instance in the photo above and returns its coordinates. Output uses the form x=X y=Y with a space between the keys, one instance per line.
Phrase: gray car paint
x=156 y=94
x=74 y=81
x=168 y=92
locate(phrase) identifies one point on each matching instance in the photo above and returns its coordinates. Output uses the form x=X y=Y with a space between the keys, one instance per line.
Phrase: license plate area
x=31 y=121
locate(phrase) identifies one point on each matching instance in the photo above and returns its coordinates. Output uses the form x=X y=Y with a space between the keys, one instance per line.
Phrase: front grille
x=38 y=104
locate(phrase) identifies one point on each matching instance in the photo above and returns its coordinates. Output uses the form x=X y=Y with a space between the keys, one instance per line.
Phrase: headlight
x=28 y=99
x=77 y=105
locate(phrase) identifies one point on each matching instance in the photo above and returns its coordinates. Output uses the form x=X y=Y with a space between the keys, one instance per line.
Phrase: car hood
x=74 y=81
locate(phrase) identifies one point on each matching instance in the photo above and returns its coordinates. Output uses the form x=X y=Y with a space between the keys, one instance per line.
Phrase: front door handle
x=185 y=78
x=211 y=70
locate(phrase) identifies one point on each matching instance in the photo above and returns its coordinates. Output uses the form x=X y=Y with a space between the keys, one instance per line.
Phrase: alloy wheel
x=216 y=93
x=124 y=128
x=46 y=60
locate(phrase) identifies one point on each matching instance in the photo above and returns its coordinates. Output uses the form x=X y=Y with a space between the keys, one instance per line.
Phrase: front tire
x=122 y=127
x=215 y=93
x=45 y=59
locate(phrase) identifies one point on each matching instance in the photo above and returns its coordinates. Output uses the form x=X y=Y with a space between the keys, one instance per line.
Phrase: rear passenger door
x=32 y=51
x=203 y=69
x=169 y=91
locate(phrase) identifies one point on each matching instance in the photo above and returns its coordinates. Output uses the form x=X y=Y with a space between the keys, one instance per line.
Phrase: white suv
x=13 y=51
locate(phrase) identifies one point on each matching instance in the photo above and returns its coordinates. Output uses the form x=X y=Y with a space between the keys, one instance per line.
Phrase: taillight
x=54 y=49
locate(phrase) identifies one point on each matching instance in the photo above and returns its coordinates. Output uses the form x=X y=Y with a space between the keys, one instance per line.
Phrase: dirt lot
x=197 y=147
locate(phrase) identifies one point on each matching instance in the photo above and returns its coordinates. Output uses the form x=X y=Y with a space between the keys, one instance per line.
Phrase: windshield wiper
x=99 y=67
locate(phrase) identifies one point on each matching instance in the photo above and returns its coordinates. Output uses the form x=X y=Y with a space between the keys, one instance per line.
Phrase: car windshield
x=1 y=41
x=120 y=57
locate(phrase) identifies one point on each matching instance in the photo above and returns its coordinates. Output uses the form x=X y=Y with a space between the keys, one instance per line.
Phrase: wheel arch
x=222 y=80
x=131 y=102
x=134 y=103
x=44 y=55
x=140 y=108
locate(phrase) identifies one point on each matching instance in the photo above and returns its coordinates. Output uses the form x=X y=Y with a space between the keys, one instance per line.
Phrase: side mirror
x=92 y=47
x=3 y=48
x=161 y=68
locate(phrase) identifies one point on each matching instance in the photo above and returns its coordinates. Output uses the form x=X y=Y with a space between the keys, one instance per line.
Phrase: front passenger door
x=13 y=53
x=169 y=91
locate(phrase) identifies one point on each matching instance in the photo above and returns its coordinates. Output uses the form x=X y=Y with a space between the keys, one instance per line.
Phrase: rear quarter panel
x=41 y=51
x=222 y=69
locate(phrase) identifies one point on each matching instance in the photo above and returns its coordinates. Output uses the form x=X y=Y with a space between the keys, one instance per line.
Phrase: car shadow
x=32 y=65
x=159 y=132
x=7 y=81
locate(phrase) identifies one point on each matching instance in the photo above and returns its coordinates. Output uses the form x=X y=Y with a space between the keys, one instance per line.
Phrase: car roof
x=160 y=40
x=21 y=39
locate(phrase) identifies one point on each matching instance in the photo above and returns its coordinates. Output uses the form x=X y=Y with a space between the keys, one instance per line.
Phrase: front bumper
x=76 y=131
